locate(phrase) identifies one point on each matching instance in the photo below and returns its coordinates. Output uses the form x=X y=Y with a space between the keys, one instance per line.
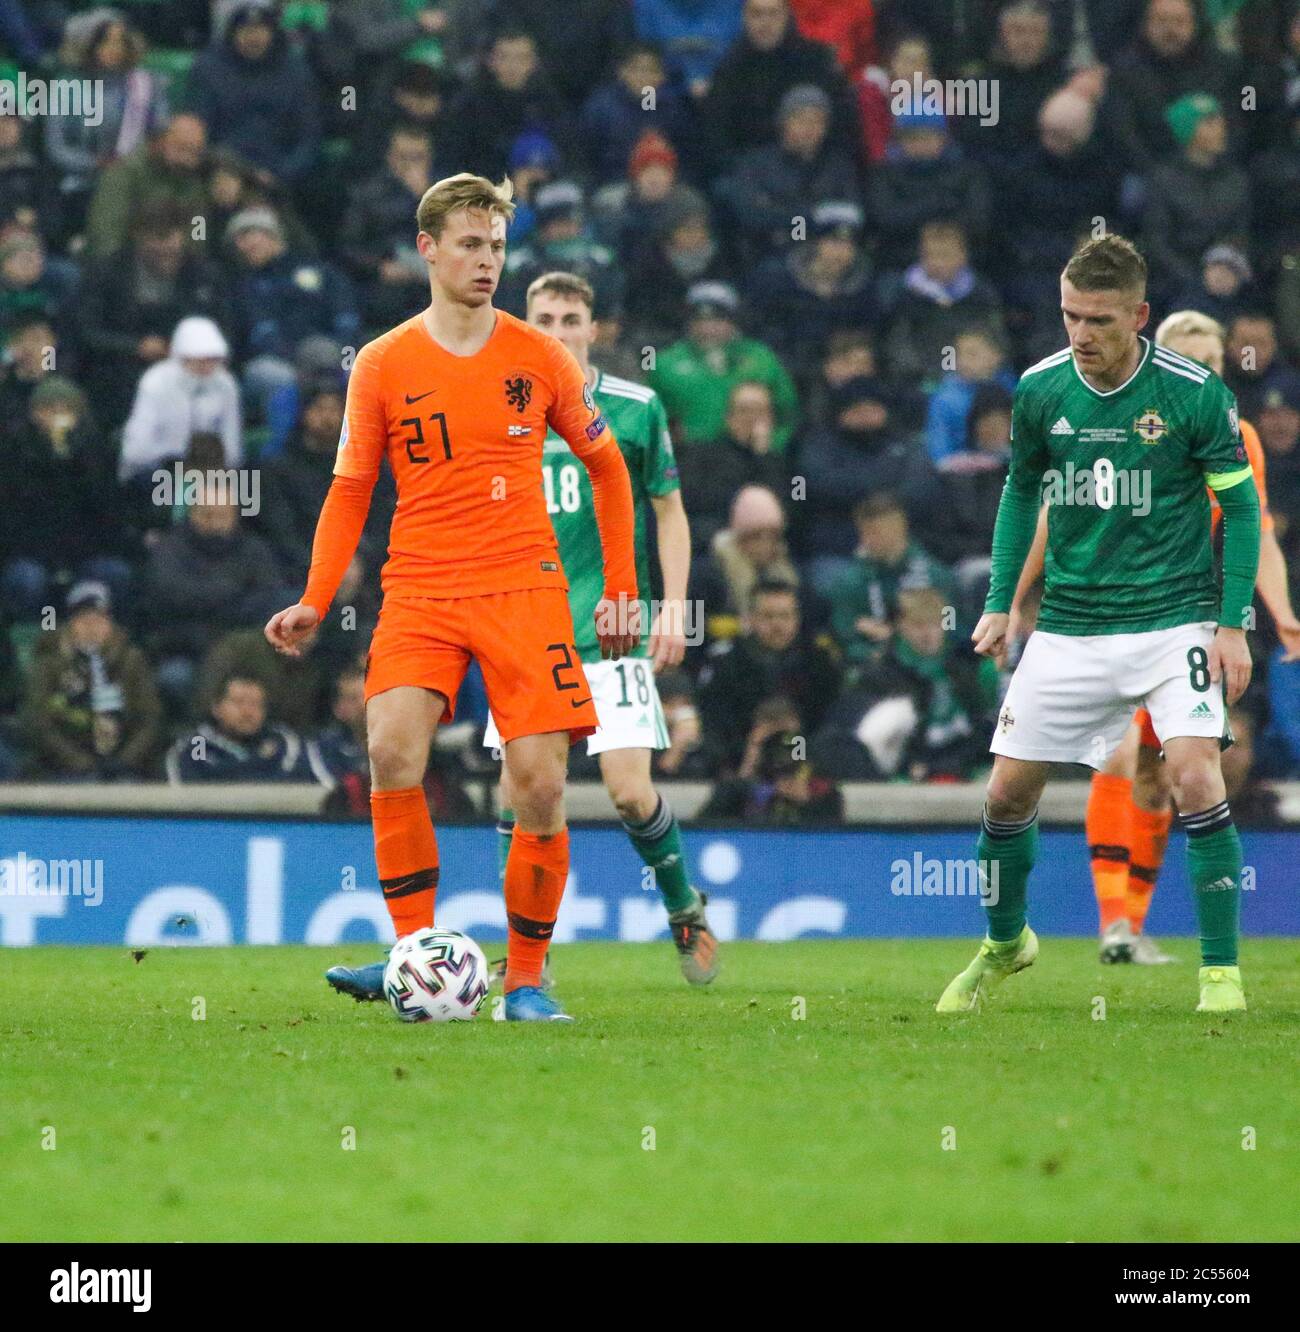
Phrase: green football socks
x=1214 y=868
x=1006 y=853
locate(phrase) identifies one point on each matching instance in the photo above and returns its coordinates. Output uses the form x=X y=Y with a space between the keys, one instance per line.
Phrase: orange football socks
x=1150 y=836
x=536 y=870
x=1108 y=826
x=406 y=852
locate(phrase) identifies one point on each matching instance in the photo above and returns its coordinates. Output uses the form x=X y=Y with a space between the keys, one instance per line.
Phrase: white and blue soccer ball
x=436 y=975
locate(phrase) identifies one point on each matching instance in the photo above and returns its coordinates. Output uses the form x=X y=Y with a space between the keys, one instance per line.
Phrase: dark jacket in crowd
x=919 y=327
x=796 y=320
x=266 y=110
x=1021 y=94
x=377 y=223
x=842 y=467
x=741 y=673
x=770 y=187
x=574 y=40
x=61 y=507
x=713 y=473
x=484 y=120
x=274 y=754
x=294 y=487
x=1142 y=84
x=200 y=585
x=954 y=700
x=748 y=84
x=903 y=193
x=1190 y=208
x=970 y=490
x=1053 y=199
x=613 y=120
x=275 y=307
x=121 y=304
x=91 y=714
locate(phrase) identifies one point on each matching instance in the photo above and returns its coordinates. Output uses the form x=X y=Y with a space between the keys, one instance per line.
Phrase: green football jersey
x=640 y=424
x=1124 y=474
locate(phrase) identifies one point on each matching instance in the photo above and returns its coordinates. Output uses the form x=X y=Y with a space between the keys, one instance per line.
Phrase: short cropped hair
x=465 y=190
x=1108 y=263
x=568 y=286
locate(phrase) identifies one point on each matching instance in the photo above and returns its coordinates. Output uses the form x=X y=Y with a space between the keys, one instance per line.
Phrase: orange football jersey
x=463 y=435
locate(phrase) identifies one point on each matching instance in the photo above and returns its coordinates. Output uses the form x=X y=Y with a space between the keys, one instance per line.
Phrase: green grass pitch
x=664 y=1113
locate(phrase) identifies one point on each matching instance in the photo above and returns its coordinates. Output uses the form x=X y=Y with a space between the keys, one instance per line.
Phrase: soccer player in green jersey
x=1121 y=438
x=631 y=718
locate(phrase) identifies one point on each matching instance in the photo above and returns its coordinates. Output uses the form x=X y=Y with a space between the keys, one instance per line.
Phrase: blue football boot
x=364 y=984
x=530 y=1003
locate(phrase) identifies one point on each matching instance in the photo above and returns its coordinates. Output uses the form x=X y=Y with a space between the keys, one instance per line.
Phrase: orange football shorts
x=523 y=642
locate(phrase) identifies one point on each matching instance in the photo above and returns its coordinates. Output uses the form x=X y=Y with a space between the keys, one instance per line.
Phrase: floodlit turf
x=762 y=1126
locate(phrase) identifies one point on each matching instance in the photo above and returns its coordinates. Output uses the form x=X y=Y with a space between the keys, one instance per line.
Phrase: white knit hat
x=198 y=337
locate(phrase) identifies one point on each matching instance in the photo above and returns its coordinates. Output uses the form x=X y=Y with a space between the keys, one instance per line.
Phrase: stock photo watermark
x=238 y=487
x=30 y=876
x=76 y=99
x=929 y=876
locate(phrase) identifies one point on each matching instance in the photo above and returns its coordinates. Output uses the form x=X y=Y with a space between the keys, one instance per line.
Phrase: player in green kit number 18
x=631 y=719
x=1120 y=438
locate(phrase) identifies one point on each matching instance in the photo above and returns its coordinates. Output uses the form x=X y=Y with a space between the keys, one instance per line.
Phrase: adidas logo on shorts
x=1202 y=709
x=1062 y=427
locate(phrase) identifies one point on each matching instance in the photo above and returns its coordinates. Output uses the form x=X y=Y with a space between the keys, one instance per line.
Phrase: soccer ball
x=436 y=976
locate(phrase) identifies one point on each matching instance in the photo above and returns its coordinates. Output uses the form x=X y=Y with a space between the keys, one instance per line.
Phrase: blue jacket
x=613 y=120
x=693 y=34
x=277 y=306
x=1283 y=732
x=945 y=422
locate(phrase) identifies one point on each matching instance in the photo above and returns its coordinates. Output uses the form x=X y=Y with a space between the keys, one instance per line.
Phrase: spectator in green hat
x=1195 y=200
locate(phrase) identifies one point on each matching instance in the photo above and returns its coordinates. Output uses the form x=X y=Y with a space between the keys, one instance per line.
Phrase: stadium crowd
x=832 y=291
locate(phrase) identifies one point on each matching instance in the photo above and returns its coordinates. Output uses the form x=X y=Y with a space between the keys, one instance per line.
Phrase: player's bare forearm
x=668 y=631
x=1272 y=585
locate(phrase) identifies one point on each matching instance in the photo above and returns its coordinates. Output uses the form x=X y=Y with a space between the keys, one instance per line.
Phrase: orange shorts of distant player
x=1150 y=740
x=523 y=642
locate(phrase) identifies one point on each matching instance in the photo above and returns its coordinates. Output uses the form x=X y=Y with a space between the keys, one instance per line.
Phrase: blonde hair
x=568 y=286
x=464 y=190
x=1189 y=324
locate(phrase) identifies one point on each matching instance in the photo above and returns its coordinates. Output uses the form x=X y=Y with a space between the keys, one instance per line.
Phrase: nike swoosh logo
x=578 y=702
x=418 y=396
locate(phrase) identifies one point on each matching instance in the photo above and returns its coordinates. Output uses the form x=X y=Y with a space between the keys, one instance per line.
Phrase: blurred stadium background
x=833 y=301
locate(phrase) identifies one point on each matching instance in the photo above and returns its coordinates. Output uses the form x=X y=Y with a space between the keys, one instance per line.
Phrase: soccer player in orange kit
x=459 y=398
